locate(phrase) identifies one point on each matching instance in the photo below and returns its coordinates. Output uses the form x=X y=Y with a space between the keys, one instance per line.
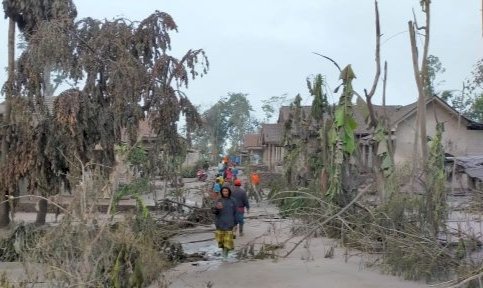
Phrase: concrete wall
x=191 y=159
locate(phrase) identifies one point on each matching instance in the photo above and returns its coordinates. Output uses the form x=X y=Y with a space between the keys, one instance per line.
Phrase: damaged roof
x=472 y=165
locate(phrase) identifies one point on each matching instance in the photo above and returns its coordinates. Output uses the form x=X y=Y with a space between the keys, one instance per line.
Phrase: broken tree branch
x=327 y=220
x=330 y=59
x=160 y=202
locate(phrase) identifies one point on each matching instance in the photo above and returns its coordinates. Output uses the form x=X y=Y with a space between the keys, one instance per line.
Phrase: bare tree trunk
x=387 y=124
x=423 y=91
x=188 y=136
x=370 y=94
x=42 y=212
x=421 y=77
x=214 y=150
x=5 y=207
x=415 y=155
x=374 y=121
x=453 y=173
x=421 y=100
x=384 y=81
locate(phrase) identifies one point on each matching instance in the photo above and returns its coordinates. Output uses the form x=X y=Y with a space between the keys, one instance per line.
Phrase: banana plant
x=341 y=137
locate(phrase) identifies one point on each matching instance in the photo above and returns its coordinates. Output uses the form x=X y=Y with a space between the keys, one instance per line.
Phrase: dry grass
x=90 y=249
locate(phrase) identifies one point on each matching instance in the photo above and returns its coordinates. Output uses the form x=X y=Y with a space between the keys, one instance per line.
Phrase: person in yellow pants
x=225 y=220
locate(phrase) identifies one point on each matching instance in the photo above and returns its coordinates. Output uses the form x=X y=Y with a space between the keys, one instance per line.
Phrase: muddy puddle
x=202 y=250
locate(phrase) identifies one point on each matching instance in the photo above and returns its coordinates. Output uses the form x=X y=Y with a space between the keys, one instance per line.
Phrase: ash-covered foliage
x=121 y=72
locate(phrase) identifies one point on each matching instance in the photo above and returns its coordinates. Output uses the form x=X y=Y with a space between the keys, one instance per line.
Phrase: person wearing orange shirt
x=255 y=181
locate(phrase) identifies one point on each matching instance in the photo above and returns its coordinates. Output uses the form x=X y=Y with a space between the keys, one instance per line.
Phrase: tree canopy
x=469 y=100
x=124 y=74
x=226 y=123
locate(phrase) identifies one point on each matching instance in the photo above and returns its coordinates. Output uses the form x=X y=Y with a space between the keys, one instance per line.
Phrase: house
x=272 y=144
x=265 y=147
x=146 y=137
x=461 y=136
x=252 y=149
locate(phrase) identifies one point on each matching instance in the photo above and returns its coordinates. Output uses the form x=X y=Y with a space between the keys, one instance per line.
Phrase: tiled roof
x=284 y=113
x=272 y=133
x=251 y=141
x=393 y=112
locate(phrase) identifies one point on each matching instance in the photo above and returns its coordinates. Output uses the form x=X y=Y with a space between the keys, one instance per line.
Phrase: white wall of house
x=272 y=155
x=457 y=139
x=255 y=157
x=191 y=159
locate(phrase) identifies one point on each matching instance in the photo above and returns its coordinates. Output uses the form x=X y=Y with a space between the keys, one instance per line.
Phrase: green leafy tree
x=469 y=100
x=476 y=81
x=476 y=112
x=225 y=123
x=240 y=120
x=271 y=105
x=215 y=127
x=319 y=104
x=435 y=68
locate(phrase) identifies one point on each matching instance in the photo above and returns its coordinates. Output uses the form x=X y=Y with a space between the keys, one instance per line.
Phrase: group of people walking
x=230 y=205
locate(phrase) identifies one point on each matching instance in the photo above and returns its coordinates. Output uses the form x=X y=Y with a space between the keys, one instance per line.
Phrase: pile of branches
x=396 y=232
x=92 y=249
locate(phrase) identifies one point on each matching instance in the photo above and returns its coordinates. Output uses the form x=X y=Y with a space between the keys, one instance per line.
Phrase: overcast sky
x=264 y=47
